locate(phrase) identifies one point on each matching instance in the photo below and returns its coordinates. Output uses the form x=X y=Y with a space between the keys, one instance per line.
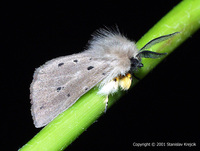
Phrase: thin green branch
x=62 y=131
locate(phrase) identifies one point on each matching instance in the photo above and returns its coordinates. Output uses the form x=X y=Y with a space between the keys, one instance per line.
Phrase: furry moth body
x=108 y=62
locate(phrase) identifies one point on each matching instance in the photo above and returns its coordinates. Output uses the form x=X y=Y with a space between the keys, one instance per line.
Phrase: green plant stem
x=62 y=131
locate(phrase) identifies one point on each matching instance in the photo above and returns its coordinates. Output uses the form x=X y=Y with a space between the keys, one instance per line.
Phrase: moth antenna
x=157 y=40
x=150 y=54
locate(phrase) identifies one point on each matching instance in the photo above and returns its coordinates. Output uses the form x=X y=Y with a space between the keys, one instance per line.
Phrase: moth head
x=136 y=61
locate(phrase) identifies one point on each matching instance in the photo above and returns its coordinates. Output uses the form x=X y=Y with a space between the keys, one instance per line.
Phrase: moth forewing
x=59 y=83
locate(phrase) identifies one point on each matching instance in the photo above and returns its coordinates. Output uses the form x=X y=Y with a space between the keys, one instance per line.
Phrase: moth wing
x=60 y=82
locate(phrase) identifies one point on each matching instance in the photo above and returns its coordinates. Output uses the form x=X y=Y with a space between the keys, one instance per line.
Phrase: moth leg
x=135 y=77
x=125 y=81
x=110 y=87
x=106 y=102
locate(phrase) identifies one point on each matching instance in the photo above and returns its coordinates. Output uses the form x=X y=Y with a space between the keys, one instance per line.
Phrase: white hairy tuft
x=112 y=45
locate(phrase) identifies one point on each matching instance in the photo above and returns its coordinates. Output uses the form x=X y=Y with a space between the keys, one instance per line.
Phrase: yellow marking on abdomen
x=125 y=81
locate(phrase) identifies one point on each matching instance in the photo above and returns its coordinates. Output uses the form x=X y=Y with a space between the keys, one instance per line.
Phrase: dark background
x=163 y=107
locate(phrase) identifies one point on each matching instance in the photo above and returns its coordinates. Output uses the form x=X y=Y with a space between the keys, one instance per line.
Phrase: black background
x=163 y=107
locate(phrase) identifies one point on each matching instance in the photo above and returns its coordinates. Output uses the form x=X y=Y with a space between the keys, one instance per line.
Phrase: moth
x=109 y=62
